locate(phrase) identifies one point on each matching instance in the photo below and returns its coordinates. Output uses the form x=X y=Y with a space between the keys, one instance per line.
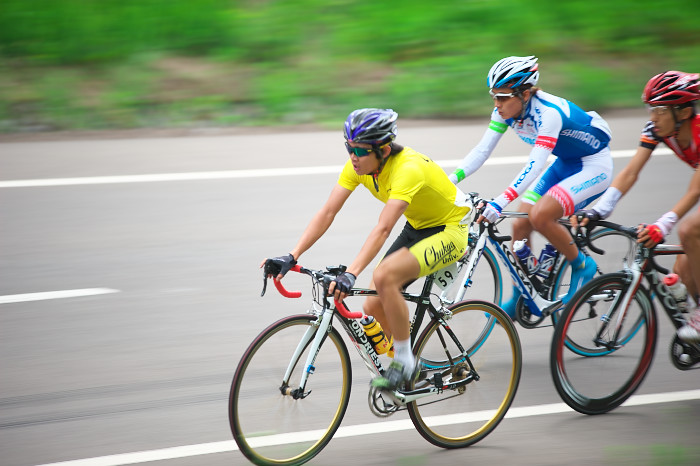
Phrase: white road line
x=355 y=431
x=18 y=298
x=256 y=173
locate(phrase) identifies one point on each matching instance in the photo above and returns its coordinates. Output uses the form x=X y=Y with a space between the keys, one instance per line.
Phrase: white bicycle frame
x=536 y=302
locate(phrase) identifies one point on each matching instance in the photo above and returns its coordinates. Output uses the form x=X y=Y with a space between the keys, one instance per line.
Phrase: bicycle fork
x=318 y=331
x=621 y=303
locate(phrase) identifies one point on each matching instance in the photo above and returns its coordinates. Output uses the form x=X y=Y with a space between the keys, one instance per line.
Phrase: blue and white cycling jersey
x=552 y=125
x=560 y=126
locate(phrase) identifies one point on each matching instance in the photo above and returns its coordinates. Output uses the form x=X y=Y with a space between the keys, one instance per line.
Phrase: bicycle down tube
x=364 y=347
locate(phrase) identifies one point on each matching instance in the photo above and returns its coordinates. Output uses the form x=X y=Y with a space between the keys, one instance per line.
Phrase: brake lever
x=268 y=269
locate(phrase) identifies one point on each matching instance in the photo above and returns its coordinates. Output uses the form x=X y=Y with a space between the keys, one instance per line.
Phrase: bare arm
x=690 y=197
x=669 y=219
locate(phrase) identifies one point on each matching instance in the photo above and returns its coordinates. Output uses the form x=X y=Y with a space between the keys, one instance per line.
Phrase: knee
x=539 y=219
x=381 y=278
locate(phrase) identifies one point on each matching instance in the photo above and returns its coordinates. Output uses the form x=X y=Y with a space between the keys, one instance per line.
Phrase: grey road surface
x=143 y=370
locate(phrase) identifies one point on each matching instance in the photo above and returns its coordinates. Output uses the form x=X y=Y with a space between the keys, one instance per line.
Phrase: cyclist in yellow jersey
x=435 y=235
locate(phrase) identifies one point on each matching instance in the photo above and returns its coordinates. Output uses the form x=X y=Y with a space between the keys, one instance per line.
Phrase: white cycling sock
x=403 y=354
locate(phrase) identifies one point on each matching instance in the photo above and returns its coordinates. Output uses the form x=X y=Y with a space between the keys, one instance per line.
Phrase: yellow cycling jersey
x=413 y=177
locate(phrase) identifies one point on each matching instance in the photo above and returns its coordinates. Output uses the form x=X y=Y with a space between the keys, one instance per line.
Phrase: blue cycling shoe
x=583 y=269
x=510 y=305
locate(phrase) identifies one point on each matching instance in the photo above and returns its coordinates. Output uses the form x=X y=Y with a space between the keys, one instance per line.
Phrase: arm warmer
x=607 y=202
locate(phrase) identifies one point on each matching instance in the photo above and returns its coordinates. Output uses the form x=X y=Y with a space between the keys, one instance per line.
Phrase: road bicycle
x=612 y=323
x=480 y=270
x=291 y=388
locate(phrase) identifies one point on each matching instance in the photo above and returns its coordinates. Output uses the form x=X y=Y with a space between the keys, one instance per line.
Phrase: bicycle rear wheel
x=460 y=417
x=269 y=424
x=595 y=385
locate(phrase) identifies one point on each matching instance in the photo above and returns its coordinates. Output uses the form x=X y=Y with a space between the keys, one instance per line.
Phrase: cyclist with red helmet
x=435 y=235
x=552 y=126
x=670 y=98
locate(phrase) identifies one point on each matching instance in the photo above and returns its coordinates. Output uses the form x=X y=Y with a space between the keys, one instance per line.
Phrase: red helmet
x=672 y=88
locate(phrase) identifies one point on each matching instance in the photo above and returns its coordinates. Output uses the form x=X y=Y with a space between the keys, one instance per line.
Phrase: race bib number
x=446 y=276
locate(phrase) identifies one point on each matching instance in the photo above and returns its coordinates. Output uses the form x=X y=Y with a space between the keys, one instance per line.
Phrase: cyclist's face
x=662 y=117
x=507 y=103
x=664 y=122
x=366 y=164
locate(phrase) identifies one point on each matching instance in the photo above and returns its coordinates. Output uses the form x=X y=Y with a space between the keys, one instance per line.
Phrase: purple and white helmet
x=513 y=72
x=375 y=126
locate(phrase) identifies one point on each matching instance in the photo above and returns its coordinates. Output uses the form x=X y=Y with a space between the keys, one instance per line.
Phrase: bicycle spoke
x=599 y=354
x=463 y=415
x=276 y=423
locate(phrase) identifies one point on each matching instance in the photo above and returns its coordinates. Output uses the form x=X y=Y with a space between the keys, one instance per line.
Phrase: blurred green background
x=95 y=64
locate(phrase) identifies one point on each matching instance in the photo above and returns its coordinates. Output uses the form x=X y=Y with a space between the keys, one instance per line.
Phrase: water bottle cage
x=377 y=338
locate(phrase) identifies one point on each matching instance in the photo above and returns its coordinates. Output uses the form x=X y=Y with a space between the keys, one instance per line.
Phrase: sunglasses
x=658 y=109
x=501 y=96
x=358 y=151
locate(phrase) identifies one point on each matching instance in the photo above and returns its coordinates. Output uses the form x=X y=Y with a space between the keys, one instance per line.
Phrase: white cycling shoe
x=690 y=332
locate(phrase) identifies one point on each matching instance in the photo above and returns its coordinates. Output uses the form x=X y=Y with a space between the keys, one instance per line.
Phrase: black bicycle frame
x=423 y=305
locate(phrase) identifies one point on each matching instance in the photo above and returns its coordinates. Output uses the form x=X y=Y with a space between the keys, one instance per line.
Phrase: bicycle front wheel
x=460 y=417
x=618 y=251
x=595 y=324
x=271 y=420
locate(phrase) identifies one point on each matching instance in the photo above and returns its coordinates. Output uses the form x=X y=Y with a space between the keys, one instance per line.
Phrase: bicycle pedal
x=552 y=308
x=437 y=380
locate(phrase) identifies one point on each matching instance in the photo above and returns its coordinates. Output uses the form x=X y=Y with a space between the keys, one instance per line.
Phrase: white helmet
x=513 y=72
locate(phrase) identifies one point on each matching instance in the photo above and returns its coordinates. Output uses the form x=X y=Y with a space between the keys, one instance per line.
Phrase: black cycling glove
x=280 y=265
x=344 y=282
x=590 y=214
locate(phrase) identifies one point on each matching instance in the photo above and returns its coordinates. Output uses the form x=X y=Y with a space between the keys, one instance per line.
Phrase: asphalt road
x=136 y=367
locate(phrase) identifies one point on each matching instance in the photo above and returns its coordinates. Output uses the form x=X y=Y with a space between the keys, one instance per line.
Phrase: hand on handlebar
x=491 y=212
x=580 y=218
x=341 y=286
x=649 y=235
x=277 y=267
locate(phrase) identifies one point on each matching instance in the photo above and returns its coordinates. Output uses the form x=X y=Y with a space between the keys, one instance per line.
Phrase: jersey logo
x=524 y=174
x=587 y=184
x=582 y=136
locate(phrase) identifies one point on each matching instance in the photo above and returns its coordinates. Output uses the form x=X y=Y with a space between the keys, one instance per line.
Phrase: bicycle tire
x=275 y=428
x=600 y=384
x=461 y=417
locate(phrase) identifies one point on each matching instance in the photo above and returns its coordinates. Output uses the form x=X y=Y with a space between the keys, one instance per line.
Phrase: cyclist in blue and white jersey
x=553 y=126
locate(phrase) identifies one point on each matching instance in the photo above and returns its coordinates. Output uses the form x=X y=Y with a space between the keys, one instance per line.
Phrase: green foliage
x=103 y=63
